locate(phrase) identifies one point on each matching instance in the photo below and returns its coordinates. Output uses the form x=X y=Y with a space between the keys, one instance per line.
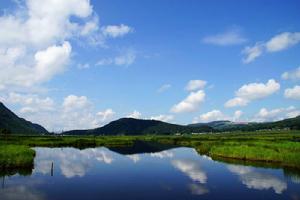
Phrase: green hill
x=130 y=126
x=291 y=123
x=17 y=125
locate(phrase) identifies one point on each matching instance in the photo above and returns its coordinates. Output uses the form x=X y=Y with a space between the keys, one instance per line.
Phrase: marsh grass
x=281 y=147
x=16 y=156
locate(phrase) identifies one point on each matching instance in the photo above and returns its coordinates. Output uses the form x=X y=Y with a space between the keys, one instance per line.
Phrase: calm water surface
x=178 y=173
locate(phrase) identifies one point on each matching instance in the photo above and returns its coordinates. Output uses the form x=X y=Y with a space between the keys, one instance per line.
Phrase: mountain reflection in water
x=144 y=172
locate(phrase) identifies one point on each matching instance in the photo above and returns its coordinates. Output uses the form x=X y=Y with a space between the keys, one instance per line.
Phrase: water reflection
x=72 y=162
x=192 y=169
x=20 y=192
x=157 y=173
x=258 y=180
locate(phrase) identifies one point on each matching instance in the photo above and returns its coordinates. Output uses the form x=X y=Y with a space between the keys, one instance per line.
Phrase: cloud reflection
x=20 y=192
x=192 y=169
x=72 y=162
x=258 y=180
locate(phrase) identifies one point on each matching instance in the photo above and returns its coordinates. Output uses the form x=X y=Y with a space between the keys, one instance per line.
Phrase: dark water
x=178 y=173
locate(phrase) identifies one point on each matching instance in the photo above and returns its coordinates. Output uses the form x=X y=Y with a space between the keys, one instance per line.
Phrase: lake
x=128 y=173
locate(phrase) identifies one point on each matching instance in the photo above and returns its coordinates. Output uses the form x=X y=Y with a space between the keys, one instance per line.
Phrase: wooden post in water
x=52 y=169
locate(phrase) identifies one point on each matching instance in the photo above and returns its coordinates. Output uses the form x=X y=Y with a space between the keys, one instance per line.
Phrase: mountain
x=130 y=126
x=17 y=125
x=291 y=123
x=214 y=124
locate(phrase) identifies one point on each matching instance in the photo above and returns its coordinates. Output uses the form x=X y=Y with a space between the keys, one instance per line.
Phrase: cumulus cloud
x=292 y=93
x=30 y=102
x=45 y=23
x=33 y=44
x=277 y=43
x=73 y=102
x=292 y=75
x=45 y=64
x=231 y=37
x=253 y=91
x=190 y=104
x=35 y=40
x=135 y=114
x=75 y=112
x=164 y=118
x=116 y=30
x=217 y=115
x=265 y=115
x=195 y=85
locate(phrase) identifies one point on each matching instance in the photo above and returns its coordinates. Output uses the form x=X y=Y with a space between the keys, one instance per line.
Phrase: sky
x=79 y=64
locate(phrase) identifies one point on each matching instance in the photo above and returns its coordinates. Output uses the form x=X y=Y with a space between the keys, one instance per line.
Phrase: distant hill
x=17 y=125
x=130 y=126
x=291 y=123
x=214 y=124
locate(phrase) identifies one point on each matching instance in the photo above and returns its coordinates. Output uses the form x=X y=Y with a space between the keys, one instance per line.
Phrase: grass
x=16 y=156
x=280 y=147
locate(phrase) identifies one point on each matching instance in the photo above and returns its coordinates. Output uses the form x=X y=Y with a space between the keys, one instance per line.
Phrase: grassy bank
x=16 y=156
x=282 y=148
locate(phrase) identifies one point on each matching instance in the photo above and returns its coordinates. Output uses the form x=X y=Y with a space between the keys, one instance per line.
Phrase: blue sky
x=80 y=64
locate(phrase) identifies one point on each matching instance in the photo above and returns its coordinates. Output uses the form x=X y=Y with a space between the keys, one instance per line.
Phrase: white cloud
x=75 y=112
x=265 y=115
x=190 y=104
x=195 y=85
x=164 y=118
x=45 y=64
x=237 y=101
x=30 y=103
x=73 y=102
x=106 y=115
x=252 y=53
x=232 y=37
x=283 y=41
x=126 y=58
x=279 y=42
x=33 y=40
x=292 y=93
x=213 y=115
x=217 y=115
x=135 y=114
x=253 y=91
x=292 y=75
x=43 y=23
x=164 y=88
x=116 y=30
